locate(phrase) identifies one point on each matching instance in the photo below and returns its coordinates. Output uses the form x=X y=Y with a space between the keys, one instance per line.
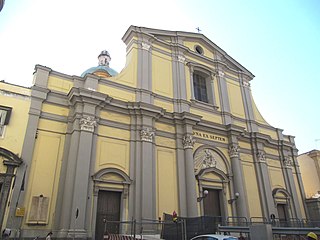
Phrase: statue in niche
x=208 y=159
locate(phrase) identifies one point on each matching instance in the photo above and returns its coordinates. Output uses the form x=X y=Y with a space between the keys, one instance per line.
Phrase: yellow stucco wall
x=45 y=171
x=206 y=51
x=235 y=99
x=311 y=181
x=276 y=177
x=167 y=199
x=163 y=104
x=117 y=93
x=113 y=149
x=162 y=74
x=257 y=115
x=165 y=127
x=272 y=133
x=116 y=117
x=54 y=109
x=128 y=76
x=206 y=115
x=59 y=84
x=252 y=189
x=299 y=196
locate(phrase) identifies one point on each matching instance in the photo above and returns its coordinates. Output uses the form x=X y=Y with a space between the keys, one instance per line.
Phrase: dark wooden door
x=282 y=213
x=211 y=203
x=108 y=209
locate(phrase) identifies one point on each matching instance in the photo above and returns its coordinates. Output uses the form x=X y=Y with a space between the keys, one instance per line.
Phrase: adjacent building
x=177 y=122
x=309 y=164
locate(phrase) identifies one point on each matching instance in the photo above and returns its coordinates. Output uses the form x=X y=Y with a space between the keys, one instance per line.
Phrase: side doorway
x=108 y=209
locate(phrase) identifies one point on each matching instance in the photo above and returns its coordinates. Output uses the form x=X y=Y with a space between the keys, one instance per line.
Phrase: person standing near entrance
x=312 y=236
x=49 y=236
x=6 y=233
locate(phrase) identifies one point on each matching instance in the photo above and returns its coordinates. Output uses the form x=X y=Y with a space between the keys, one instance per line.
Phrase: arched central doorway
x=212 y=170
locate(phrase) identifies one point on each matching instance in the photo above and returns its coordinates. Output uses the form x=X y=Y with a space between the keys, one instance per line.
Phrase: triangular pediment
x=186 y=41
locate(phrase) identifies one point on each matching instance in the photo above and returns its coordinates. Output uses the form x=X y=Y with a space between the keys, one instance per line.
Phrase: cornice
x=151 y=33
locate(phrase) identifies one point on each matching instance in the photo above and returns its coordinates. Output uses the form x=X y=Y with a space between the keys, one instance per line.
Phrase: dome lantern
x=104 y=58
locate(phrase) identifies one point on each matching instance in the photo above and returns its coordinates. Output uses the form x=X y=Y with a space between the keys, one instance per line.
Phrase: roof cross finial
x=198 y=29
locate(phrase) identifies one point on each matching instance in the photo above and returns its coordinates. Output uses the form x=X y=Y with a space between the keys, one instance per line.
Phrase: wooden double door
x=212 y=204
x=108 y=209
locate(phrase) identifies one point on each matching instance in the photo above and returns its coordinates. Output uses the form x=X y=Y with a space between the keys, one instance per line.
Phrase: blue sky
x=278 y=41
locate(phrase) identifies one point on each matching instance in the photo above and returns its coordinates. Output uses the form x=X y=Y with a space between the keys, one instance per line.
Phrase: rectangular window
x=5 y=113
x=200 y=88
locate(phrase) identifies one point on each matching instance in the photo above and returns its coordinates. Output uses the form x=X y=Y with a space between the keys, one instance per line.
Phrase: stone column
x=144 y=83
x=191 y=81
x=248 y=103
x=224 y=97
x=238 y=181
x=289 y=179
x=213 y=97
x=181 y=171
x=191 y=195
x=265 y=187
x=179 y=84
x=82 y=178
x=148 y=188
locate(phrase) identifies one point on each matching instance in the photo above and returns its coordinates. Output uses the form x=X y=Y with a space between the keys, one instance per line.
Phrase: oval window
x=199 y=49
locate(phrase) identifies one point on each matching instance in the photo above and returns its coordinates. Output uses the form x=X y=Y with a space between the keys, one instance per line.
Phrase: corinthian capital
x=261 y=156
x=188 y=141
x=233 y=150
x=87 y=123
x=287 y=161
x=147 y=134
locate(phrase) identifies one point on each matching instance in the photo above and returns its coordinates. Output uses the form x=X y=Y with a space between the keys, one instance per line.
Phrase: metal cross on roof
x=198 y=29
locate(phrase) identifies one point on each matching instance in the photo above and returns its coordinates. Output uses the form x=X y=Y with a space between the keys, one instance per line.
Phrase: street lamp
x=236 y=196
x=204 y=195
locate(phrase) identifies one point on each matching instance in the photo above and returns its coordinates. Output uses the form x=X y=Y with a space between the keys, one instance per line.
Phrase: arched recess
x=11 y=161
x=213 y=173
x=110 y=180
x=282 y=202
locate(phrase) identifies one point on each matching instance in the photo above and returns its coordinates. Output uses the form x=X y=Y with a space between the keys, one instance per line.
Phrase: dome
x=103 y=69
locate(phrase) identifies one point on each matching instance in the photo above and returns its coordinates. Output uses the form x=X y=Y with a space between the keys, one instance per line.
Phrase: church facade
x=176 y=130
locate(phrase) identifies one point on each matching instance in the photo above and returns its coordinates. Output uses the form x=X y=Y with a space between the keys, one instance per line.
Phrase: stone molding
x=147 y=134
x=87 y=123
x=233 y=150
x=188 y=141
